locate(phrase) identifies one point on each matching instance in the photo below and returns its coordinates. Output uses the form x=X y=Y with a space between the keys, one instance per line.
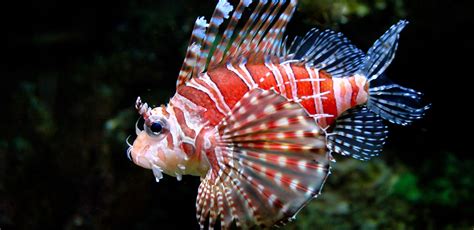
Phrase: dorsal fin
x=263 y=32
x=194 y=48
x=327 y=50
x=221 y=12
x=229 y=31
x=261 y=35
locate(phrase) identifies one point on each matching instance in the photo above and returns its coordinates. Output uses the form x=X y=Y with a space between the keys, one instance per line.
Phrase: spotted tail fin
x=395 y=103
x=270 y=160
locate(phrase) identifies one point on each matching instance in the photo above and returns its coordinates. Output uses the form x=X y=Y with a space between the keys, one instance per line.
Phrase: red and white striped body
x=203 y=102
x=323 y=97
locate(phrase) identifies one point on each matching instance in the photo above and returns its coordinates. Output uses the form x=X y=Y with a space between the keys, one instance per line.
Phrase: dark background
x=74 y=68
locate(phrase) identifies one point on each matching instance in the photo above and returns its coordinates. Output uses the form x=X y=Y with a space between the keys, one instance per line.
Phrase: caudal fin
x=395 y=103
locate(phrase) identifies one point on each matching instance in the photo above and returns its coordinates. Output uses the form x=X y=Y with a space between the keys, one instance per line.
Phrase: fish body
x=258 y=120
x=322 y=96
x=206 y=100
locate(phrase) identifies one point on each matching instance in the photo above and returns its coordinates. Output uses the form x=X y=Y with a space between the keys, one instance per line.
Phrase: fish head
x=159 y=145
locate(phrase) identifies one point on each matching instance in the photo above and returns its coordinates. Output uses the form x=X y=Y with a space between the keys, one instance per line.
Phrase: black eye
x=156 y=127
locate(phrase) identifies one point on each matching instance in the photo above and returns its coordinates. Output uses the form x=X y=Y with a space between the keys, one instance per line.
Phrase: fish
x=258 y=117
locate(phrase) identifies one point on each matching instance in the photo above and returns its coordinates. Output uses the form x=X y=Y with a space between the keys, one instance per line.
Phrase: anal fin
x=358 y=133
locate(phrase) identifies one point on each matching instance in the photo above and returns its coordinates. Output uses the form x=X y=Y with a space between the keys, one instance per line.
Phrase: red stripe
x=261 y=71
x=182 y=123
x=230 y=85
x=169 y=139
x=304 y=88
x=355 y=91
x=286 y=82
x=202 y=99
x=201 y=138
x=329 y=104
x=188 y=149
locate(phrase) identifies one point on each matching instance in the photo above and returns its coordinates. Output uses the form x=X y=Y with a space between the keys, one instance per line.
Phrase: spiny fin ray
x=261 y=36
x=358 y=133
x=263 y=171
x=327 y=50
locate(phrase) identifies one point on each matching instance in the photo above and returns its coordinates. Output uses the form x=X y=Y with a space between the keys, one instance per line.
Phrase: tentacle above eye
x=142 y=109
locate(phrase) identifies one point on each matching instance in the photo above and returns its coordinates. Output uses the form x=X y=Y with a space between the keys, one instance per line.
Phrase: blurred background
x=74 y=69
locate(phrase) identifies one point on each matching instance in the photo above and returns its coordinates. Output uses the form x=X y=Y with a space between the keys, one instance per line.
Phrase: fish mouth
x=139 y=151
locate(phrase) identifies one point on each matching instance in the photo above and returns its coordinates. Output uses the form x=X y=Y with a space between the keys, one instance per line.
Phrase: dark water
x=75 y=68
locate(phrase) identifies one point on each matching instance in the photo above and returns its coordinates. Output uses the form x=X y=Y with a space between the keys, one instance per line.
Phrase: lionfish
x=258 y=120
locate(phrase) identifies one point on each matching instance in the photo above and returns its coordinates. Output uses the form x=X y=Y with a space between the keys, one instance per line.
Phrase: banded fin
x=193 y=51
x=221 y=13
x=382 y=52
x=327 y=50
x=261 y=36
x=395 y=103
x=358 y=133
x=270 y=161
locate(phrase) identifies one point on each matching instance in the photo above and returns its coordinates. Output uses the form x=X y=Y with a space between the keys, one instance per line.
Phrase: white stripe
x=282 y=161
x=200 y=87
x=302 y=165
x=336 y=82
x=277 y=178
x=318 y=104
x=234 y=70
x=248 y=75
x=362 y=95
x=186 y=106
x=294 y=185
x=291 y=78
x=343 y=101
x=278 y=77
x=209 y=82
x=271 y=199
x=348 y=96
x=302 y=98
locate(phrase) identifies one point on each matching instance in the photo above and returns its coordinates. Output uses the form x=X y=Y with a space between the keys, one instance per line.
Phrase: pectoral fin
x=270 y=161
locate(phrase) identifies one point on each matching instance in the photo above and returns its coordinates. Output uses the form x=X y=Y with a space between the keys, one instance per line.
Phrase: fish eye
x=156 y=128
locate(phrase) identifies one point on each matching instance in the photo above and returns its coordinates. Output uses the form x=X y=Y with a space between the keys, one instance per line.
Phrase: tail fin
x=392 y=102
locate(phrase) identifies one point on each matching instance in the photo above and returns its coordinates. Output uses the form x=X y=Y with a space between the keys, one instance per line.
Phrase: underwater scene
x=112 y=117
